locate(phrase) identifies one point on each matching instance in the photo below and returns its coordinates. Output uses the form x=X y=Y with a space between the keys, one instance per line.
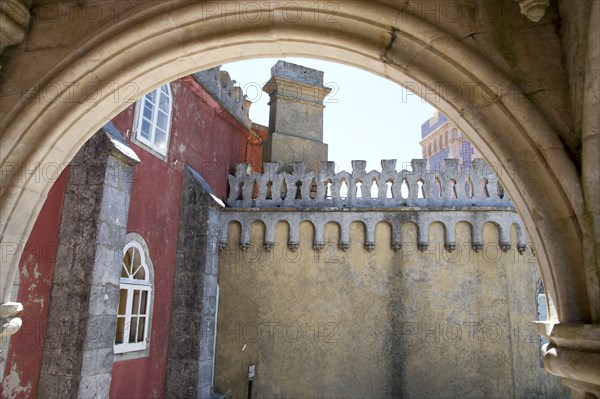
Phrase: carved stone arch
x=252 y=221
x=338 y=228
x=521 y=237
x=316 y=229
x=377 y=240
x=407 y=240
x=281 y=220
x=225 y=232
x=426 y=234
x=449 y=235
x=470 y=225
x=278 y=224
x=417 y=54
x=503 y=235
x=332 y=221
x=359 y=222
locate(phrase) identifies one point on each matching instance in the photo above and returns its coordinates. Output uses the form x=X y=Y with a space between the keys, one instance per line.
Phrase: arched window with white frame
x=153 y=120
x=135 y=300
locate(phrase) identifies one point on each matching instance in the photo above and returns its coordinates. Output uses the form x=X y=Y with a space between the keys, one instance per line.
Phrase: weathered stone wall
x=384 y=294
x=379 y=323
x=79 y=334
x=191 y=339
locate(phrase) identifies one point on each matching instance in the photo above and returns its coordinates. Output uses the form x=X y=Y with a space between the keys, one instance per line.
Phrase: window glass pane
x=141 y=327
x=133 y=329
x=151 y=96
x=144 y=302
x=140 y=274
x=148 y=111
x=162 y=121
x=160 y=138
x=135 y=305
x=120 y=330
x=122 y=301
x=126 y=264
x=164 y=103
x=145 y=129
x=136 y=259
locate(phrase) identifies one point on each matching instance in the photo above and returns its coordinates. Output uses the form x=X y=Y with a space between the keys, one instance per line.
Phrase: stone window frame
x=135 y=239
x=148 y=144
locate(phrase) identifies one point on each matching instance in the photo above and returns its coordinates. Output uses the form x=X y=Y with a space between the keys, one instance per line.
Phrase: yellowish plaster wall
x=379 y=324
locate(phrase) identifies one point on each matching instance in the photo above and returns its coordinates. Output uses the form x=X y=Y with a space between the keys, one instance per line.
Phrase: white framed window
x=153 y=120
x=135 y=301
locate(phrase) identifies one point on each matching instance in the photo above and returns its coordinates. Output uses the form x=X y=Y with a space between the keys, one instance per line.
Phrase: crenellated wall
x=220 y=85
x=426 y=290
x=448 y=196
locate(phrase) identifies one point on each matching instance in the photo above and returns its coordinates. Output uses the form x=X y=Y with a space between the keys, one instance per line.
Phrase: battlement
x=448 y=187
x=220 y=85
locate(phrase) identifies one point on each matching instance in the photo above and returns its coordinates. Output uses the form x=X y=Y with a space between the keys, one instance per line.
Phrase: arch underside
x=124 y=61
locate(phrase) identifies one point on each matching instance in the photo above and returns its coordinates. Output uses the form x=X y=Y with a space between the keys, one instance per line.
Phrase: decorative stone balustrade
x=422 y=197
x=448 y=187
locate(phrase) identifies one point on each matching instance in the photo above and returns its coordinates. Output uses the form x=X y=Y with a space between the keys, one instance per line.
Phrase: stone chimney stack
x=296 y=115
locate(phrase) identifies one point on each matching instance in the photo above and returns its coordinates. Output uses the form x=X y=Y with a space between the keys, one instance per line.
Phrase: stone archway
x=51 y=108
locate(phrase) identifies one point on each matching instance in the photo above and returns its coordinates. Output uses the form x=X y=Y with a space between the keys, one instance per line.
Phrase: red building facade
x=208 y=131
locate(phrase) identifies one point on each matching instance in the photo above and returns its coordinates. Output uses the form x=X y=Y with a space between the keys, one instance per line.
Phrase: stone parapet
x=220 y=85
x=448 y=187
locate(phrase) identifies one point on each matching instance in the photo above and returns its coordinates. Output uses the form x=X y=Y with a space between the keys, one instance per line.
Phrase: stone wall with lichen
x=384 y=323
x=377 y=296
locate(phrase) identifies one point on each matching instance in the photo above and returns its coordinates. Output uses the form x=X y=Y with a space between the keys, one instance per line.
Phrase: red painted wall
x=203 y=135
x=210 y=140
x=36 y=271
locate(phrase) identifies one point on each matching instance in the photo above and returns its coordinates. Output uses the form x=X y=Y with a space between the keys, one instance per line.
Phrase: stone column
x=191 y=339
x=78 y=346
x=573 y=354
x=296 y=115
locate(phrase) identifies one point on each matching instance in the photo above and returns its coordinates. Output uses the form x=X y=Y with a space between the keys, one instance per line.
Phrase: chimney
x=296 y=115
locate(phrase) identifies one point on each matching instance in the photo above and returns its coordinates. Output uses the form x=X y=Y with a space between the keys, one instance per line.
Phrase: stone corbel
x=9 y=324
x=573 y=355
x=534 y=10
x=15 y=18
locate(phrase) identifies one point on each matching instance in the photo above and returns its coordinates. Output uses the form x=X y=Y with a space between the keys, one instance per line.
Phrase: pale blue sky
x=366 y=116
